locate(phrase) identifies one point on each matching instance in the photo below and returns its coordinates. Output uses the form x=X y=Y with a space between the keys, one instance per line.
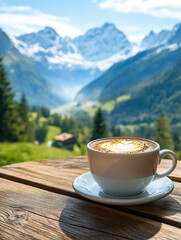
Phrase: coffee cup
x=125 y=166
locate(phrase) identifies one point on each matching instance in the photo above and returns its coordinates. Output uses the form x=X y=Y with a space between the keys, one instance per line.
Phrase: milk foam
x=122 y=145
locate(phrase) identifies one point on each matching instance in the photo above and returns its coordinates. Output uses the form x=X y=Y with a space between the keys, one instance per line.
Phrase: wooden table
x=37 y=202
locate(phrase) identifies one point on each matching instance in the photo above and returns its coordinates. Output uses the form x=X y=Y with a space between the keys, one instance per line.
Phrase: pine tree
x=24 y=115
x=55 y=120
x=163 y=133
x=39 y=115
x=45 y=112
x=113 y=131
x=41 y=133
x=116 y=132
x=98 y=125
x=9 y=119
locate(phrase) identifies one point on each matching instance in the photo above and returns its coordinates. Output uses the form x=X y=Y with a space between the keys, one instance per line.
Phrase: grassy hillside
x=52 y=132
x=124 y=76
x=141 y=71
x=93 y=90
x=162 y=93
x=22 y=152
x=106 y=106
x=144 y=102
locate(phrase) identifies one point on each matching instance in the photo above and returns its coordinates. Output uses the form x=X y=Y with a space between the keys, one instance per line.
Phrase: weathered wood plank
x=56 y=175
x=30 y=213
x=60 y=173
x=167 y=210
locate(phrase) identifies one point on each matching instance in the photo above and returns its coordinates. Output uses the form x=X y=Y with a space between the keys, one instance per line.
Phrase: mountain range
x=127 y=74
x=163 y=37
x=136 y=90
x=142 y=67
x=99 y=66
x=69 y=64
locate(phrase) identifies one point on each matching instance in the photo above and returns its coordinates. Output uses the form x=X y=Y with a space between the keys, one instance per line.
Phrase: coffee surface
x=123 y=145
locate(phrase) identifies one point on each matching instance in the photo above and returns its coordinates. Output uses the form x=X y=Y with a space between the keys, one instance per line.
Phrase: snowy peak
x=98 y=48
x=109 y=25
x=45 y=38
x=149 y=40
x=101 y=43
x=163 y=37
x=6 y=44
x=43 y=44
x=48 y=30
x=153 y=39
x=176 y=27
x=176 y=35
x=106 y=27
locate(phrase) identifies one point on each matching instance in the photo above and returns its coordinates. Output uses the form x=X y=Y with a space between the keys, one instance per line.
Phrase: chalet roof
x=64 y=137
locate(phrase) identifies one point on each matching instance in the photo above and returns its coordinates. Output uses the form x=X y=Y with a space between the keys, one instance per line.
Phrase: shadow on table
x=86 y=220
x=164 y=207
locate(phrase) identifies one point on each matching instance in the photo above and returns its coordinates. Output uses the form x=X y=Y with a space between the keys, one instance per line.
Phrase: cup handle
x=171 y=168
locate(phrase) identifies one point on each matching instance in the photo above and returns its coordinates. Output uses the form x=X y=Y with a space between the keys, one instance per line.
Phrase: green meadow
x=21 y=152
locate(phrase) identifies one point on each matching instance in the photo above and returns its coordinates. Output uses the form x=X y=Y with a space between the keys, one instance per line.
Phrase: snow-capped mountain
x=164 y=37
x=69 y=64
x=176 y=34
x=101 y=43
x=153 y=39
x=44 y=44
x=93 y=50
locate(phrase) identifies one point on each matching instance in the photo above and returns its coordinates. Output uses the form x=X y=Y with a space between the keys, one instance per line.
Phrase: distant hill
x=148 y=99
x=142 y=71
x=140 y=103
x=92 y=91
x=24 y=76
x=129 y=73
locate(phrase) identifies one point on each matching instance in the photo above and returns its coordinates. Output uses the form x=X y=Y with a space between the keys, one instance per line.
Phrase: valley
x=98 y=69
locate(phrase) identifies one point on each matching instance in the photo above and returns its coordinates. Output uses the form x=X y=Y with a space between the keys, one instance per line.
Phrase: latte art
x=123 y=145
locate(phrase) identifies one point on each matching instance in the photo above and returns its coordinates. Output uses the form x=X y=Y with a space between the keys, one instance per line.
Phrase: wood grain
x=56 y=175
x=167 y=210
x=30 y=213
x=60 y=173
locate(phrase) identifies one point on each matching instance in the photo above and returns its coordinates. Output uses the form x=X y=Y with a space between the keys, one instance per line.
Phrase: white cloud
x=19 y=20
x=136 y=38
x=16 y=8
x=128 y=29
x=133 y=33
x=158 y=8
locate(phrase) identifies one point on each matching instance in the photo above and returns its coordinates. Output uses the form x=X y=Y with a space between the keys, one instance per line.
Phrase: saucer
x=86 y=186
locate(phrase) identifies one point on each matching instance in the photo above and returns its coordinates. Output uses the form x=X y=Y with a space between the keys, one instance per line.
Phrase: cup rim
x=99 y=139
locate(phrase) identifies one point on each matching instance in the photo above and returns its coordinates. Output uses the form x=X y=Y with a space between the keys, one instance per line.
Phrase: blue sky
x=74 y=17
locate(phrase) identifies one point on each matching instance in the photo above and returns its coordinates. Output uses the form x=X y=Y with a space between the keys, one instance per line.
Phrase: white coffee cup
x=127 y=174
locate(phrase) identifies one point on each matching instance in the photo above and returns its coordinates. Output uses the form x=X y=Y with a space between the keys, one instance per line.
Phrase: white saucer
x=88 y=188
